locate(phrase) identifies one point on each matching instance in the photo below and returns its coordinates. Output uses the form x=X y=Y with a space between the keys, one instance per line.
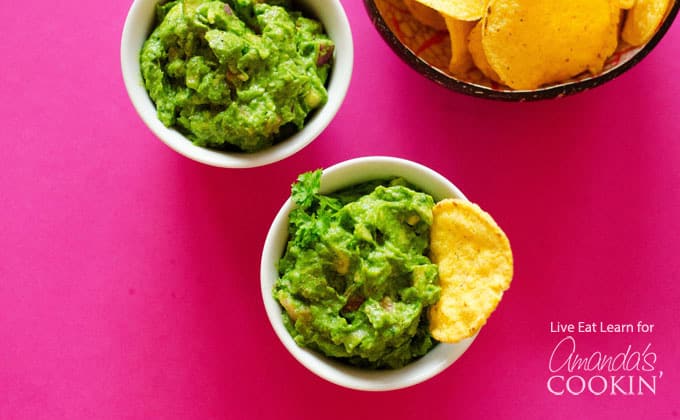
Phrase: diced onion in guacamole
x=235 y=75
x=355 y=282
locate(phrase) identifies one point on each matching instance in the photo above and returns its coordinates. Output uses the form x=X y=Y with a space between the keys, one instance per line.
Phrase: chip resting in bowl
x=475 y=268
x=458 y=9
x=425 y=15
x=644 y=17
x=531 y=44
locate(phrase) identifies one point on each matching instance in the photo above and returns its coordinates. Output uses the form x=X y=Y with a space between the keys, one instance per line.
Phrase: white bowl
x=342 y=175
x=138 y=26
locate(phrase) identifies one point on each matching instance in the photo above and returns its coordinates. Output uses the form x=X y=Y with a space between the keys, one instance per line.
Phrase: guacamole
x=236 y=75
x=355 y=281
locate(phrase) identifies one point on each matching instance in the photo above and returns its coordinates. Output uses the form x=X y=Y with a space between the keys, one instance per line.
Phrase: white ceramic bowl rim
x=135 y=31
x=341 y=175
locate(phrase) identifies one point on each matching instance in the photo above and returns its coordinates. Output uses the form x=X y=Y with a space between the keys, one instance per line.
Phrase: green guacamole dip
x=355 y=280
x=236 y=75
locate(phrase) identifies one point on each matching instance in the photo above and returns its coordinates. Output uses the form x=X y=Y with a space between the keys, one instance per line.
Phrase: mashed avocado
x=237 y=75
x=355 y=280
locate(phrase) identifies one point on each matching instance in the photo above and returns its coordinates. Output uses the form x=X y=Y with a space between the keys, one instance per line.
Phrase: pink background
x=129 y=275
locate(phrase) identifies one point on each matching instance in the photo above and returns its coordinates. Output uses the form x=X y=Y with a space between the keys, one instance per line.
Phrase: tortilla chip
x=475 y=268
x=458 y=9
x=625 y=4
x=477 y=53
x=530 y=43
x=611 y=40
x=426 y=15
x=643 y=20
x=461 y=60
